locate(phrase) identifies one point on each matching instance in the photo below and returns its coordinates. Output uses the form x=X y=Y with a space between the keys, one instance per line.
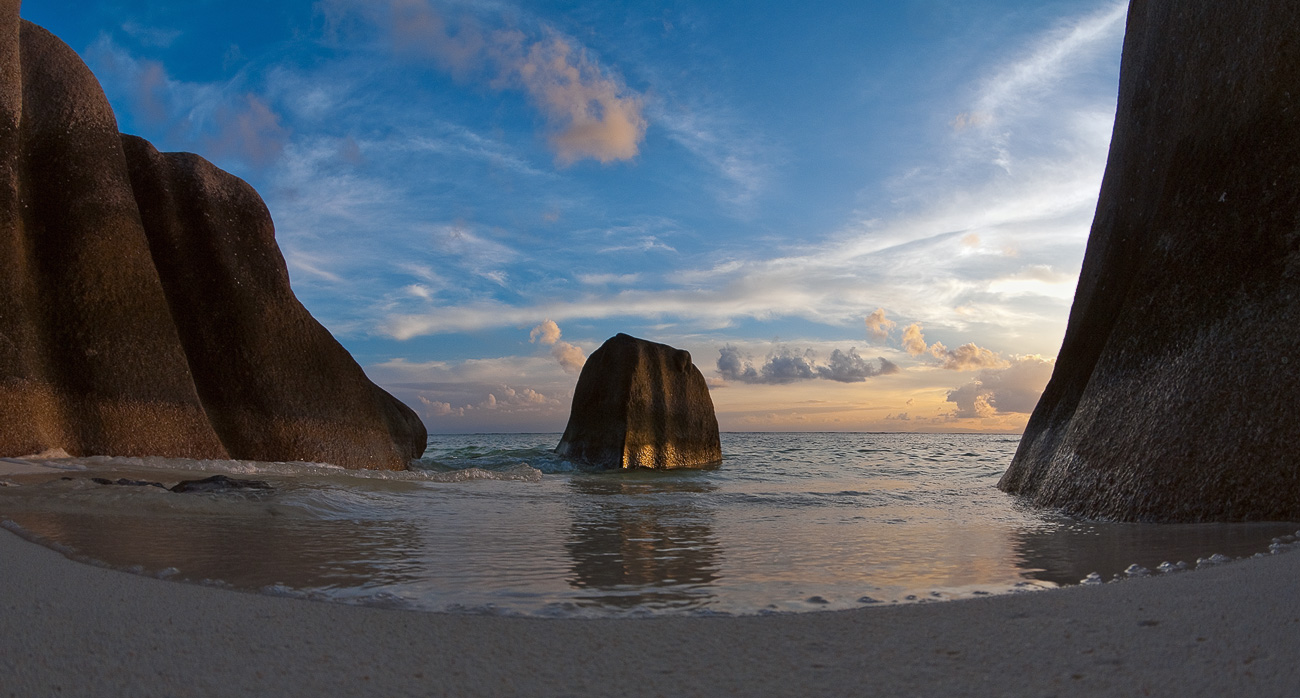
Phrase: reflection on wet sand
x=1068 y=553
x=642 y=540
x=250 y=547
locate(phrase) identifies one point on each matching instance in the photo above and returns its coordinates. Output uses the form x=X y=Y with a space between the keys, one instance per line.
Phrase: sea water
x=500 y=524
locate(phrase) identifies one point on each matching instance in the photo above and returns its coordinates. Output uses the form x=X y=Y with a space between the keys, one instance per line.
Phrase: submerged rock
x=145 y=308
x=1174 y=391
x=639 y=404
x=126 y=482
x=219 y=483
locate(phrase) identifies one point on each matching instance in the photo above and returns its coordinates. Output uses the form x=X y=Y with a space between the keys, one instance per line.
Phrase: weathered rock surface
x=1174 y=394
x=639 y=404
x=145 y=308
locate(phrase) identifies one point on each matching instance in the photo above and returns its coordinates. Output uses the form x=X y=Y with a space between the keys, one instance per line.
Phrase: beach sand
x=77 y=630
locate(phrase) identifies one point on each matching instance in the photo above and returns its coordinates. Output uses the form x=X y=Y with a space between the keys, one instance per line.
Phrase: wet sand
x=68 y=628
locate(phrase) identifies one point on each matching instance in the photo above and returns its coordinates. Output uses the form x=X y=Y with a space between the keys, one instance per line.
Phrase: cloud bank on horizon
x=855 y=215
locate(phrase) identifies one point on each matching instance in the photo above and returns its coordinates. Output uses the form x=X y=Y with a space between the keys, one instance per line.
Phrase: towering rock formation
x=145 y=308
x=639 y=404
x=1175 y=390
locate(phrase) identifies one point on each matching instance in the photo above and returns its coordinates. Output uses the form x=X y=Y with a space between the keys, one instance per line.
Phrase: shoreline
x=76 y=629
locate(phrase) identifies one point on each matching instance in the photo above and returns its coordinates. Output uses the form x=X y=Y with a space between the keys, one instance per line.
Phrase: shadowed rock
x=639 y=404
x=219 y=483
x=1174 y=391
x=145 y=308
x=272 y=380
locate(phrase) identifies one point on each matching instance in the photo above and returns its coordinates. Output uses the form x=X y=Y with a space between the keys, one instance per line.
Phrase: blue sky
x=855 y=215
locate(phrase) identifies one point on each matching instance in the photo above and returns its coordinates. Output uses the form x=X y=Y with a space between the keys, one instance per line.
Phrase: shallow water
x=499 y=524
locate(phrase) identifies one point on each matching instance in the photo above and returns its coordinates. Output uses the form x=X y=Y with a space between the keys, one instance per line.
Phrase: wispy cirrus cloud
x=720 y=141
x=226 y=120
x=967 y=243
x=160 y=37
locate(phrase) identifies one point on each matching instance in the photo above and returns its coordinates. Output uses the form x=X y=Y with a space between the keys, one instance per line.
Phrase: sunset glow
x=855 y=216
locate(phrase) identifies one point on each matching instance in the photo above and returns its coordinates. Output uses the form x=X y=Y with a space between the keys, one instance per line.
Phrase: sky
x=855 y=215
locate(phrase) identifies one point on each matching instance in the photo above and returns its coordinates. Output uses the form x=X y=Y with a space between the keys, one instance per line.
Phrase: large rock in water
x=145 y=308
x=1174 y=395
x=639 y=404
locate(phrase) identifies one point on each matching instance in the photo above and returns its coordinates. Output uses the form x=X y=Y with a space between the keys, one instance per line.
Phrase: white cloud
x=879 y=326
x=732 y=152
x=547 y=333
x=966 y=357
x=913 y=340
x=1022 y=86
x=569 y=357
x=589 y=111
x=647 y=243
x=608 y=279
x=1017 y=226
x=452 y=139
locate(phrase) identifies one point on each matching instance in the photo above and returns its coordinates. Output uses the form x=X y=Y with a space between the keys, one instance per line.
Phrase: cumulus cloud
x=967 y=357
x=590 y=112
x=511 y=400
x=570 y=357
x=878 y=326
x=913 y=340
x=1013 y=389
x=733 y=364
x=849 y=367
x=547 y=333
x=786 y=365
x=439 y=409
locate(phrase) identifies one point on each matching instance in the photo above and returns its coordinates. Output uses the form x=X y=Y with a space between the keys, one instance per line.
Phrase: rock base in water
x=639 y=404
x=1174 y=394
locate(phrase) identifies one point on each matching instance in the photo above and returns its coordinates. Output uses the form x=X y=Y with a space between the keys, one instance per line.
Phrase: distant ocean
x=499 y=524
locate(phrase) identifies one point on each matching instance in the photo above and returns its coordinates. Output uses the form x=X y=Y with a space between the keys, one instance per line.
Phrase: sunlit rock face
x=639 y=404
x=1174 y=395
x=145 y=308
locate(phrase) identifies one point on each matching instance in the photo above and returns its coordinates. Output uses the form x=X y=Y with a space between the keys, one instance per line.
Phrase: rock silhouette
x=145 y=308
x=639 y=404
x=1173 y=397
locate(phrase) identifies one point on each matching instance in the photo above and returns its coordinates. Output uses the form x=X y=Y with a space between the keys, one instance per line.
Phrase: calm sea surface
x=499 y=524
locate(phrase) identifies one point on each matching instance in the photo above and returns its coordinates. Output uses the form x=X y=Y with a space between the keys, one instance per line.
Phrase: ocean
x=498 y=524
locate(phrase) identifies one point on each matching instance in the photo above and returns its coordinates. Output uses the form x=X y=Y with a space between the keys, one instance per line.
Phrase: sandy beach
x=73 y=629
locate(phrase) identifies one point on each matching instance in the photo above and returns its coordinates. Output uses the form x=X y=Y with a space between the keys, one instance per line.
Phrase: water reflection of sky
x=789 y=523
